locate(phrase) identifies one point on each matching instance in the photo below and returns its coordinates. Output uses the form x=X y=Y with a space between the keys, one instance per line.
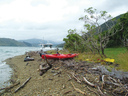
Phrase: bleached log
x=110 y=78
x=89 y=83
x=78 y=90
x=103 y=78
x=76 y=78
x=102 y=81
x=41 y=67
x=22 y=84
x=111 y=83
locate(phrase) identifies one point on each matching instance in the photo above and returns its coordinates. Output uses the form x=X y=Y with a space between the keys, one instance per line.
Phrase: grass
x=88 y=57
x=120 y=55
x=114 y=52
x=123 y=61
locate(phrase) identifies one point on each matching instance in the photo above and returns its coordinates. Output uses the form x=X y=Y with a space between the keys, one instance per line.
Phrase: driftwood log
x=73 y=75
x=22 y=84
x=89 y=83
x=44 y=70
x=78 y=90
x=11 y=86
x=8 y=88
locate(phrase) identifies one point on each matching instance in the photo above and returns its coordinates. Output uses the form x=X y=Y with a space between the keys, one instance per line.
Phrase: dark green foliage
x=110 y=23
x=121 y=37
x=73 y=41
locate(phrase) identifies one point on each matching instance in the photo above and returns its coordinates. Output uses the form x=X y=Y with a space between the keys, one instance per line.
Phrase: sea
x=9 y=52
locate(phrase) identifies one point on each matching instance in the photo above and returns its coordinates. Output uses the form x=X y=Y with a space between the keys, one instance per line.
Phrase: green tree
x=124 y=33
x=121 y=37
x=97 y=36
x=73 y=41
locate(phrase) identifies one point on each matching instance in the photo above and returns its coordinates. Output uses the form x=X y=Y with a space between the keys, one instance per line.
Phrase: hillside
x=12 y=42
x=60 y=45
x=115 y=40
x=28 y=42
x=36 y=42
x=110 y=23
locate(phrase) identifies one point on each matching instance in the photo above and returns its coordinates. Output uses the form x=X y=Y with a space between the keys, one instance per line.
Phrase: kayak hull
x=58 y=56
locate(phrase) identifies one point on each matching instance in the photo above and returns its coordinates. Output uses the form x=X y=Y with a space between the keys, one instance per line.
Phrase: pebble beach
x=64 y=78
x=49 y=84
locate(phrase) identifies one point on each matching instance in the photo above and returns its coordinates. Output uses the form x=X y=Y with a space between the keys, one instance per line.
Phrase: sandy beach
x=65 y=78
x=49 y=84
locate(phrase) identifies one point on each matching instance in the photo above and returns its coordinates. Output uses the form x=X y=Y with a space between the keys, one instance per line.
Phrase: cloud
x=51 y=19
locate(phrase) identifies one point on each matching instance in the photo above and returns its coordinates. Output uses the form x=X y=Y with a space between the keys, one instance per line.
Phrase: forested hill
x=110 y=23
x=12 y=42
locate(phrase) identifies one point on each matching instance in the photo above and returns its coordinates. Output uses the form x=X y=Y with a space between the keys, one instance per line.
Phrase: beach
x=65 y=78
x=55 y=82
x=50 y=84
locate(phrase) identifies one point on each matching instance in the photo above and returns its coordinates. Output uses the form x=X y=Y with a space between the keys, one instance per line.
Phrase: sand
x=49 y=84
x=55 y=82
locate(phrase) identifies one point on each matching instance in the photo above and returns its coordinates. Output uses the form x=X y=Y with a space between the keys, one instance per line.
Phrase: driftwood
x=121 y=88
x=89 y=83
x=78 y=90
x=56 y=68
x=41 y=67
x=75 y=78
x=44 y=70
x=102 y=81
x=69 y=77
x=110 y=78
x=22 y=85
x=93 y=91
x=101 y=93
x=111 y=83
x=67 y=92
x=11 y=86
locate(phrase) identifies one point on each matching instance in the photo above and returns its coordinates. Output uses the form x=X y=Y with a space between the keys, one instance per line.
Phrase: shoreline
x=53 y=83
x=61 y=80
x=20 y=72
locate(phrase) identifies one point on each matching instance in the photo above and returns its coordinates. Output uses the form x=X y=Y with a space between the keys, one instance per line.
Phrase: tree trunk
x=99 y=53
x=102 y=50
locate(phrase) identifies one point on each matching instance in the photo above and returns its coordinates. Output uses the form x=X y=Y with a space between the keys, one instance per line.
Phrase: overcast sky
x=49 y=19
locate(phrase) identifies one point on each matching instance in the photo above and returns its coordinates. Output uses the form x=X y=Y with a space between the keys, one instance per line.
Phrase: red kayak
x=58 y=56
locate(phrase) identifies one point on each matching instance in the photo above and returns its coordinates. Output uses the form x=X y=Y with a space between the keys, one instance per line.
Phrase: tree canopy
x=96 y=36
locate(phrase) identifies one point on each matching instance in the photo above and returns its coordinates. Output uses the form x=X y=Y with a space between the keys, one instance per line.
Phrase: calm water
x=7 y=52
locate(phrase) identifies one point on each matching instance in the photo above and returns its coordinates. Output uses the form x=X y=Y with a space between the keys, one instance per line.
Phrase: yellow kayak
x=109 y=60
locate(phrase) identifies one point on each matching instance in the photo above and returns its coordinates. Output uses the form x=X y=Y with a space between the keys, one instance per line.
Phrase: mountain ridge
x=36 y=42
x=12 y=42
x=25 y=43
